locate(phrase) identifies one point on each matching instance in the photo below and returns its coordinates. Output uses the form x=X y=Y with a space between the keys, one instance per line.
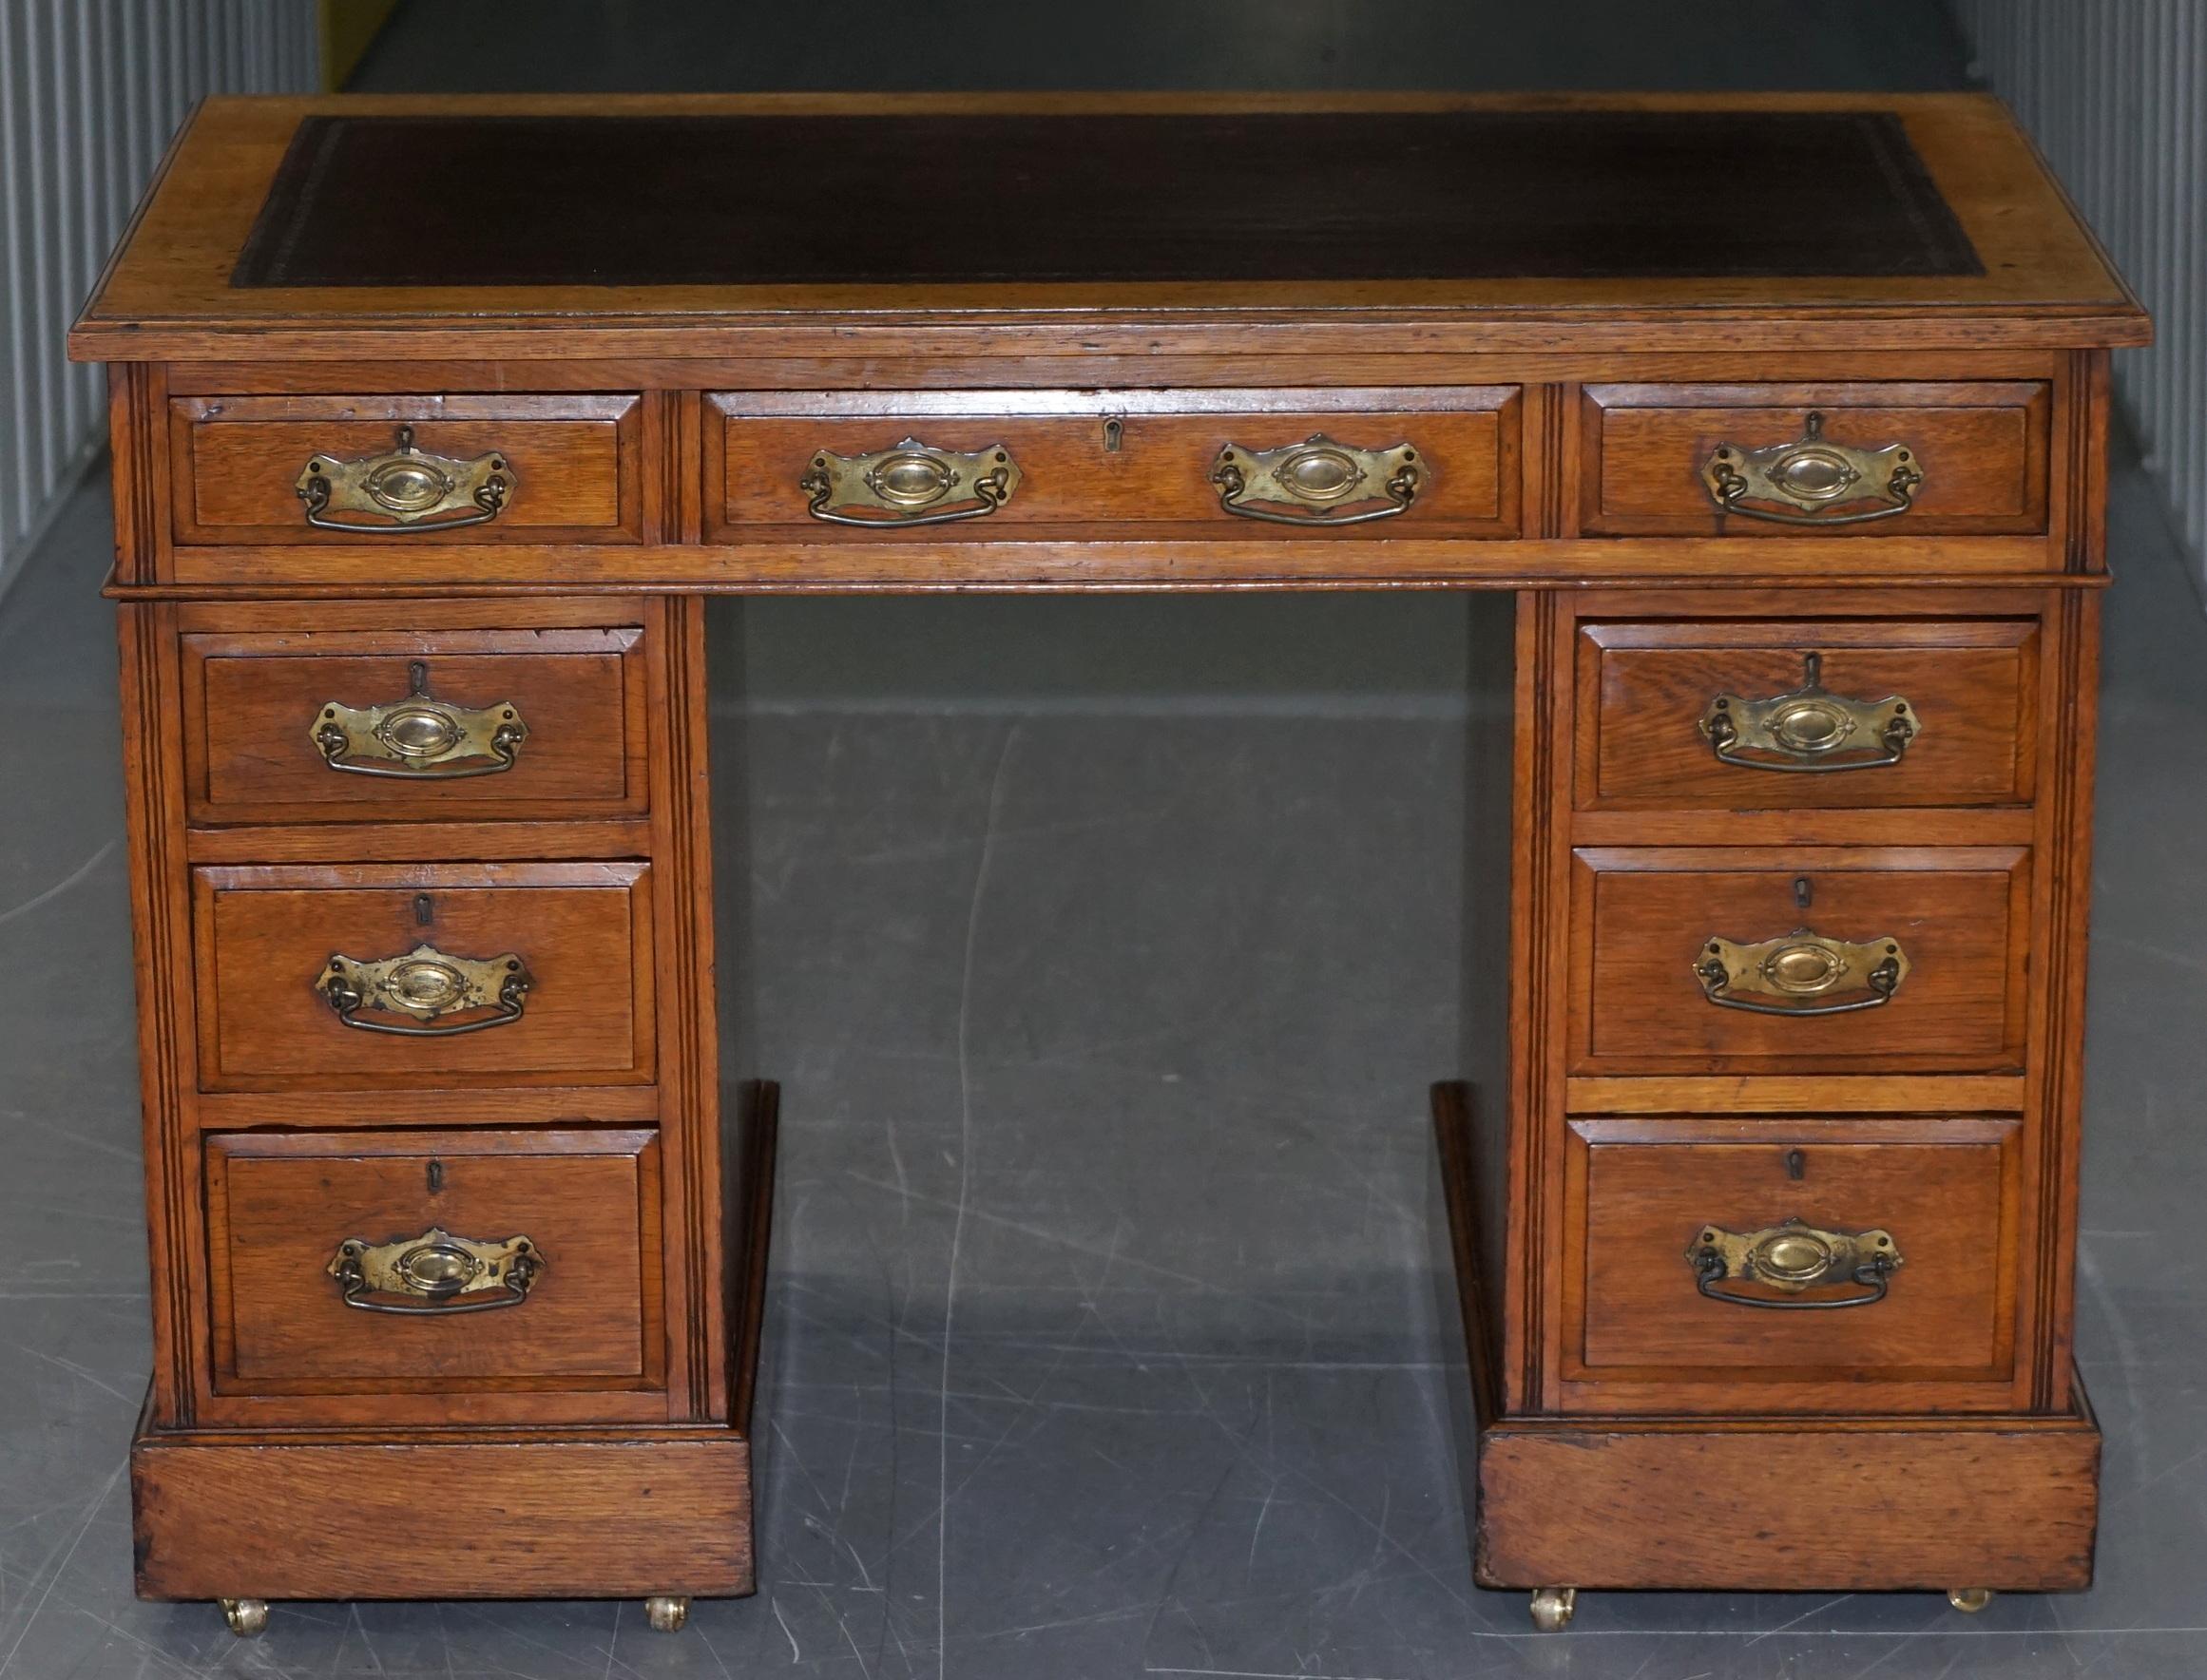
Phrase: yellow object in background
x=349 y=27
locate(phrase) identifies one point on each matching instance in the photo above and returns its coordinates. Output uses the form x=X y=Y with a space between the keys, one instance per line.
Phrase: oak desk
x=1784 y=420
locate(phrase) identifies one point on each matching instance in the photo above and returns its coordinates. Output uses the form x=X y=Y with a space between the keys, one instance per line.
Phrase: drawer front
x=1804 y=460
x=1432 y=463
x=366 y=725
x=423 y=1261
x=401 y=471
x=1798 y=960
x=1758 y=1266
x=421 y=975
x=1809 y=714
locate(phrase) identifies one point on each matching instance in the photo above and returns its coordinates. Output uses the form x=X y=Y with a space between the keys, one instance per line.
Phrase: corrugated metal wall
x=90 y=92
x=2114 y=91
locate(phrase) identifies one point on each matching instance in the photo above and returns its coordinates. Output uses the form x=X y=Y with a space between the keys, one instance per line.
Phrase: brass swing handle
x=1791 y=1259
x=436 y=1273
x=413 y=490
x=1318 y=482
x=1802 y=973
x=423 y=987
x=1808 y=480
x=419 y=739
x=909 y=484
x=1810 y=728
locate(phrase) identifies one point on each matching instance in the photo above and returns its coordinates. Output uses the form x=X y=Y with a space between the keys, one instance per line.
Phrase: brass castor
x=246 y=1617
x=667 y=1611
x=1553 y=1607
x=1969 y=1600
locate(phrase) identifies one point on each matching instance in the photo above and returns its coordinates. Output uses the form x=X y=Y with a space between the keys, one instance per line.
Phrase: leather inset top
x=894 y=199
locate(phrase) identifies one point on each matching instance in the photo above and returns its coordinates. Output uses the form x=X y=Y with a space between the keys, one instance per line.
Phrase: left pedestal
x=457 y=1285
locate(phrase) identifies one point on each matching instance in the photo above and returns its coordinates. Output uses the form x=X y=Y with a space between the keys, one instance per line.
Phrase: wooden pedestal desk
x=1784 y=419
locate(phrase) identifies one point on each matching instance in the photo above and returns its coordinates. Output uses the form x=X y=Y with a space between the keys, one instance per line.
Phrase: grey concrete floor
x=1104 y=949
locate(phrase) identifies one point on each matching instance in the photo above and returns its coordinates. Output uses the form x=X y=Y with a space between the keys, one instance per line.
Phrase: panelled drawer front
x=279 y=948
x=1646 y=455
x=335 y=725
x=296 y=1307
x=1805 y=1215
x=570 y=468
x=1805 y=714
x=1814 y=924
x=1132 y=464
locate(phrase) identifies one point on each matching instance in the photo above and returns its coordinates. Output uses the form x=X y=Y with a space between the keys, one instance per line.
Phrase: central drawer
x=421 y=975
x=434 y=1261
x=830 y=467
x=1740 y=960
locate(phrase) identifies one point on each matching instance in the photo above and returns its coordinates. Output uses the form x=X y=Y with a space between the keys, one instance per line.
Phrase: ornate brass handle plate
x=909 y=484
x=1802 y=973
x=1812 y=481
x=436 y=1273
x=1810 y=728
x=1793 y=1258
x=423 y=987
x=419 y=739
x=403 y=491
x=1318 y=482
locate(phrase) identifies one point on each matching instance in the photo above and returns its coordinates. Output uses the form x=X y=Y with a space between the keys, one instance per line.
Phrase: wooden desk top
x=552 y=226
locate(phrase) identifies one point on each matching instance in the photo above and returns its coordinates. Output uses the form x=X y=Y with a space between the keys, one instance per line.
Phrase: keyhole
x=1804 y=894
x=1114 y=429
x=417 y=677
x=424 y=912
x=1796 y=1165
x=436 y=1176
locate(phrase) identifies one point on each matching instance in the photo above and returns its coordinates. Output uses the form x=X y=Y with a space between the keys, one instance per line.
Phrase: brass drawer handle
x=1793 y=1258
x=1802 y=973
x=410 y=489
x=436 y=1273
x=909 y=484
x=1813 y=476
x=425 y=985
x=419 y=739
x=1810 y=728
x=1318 y=482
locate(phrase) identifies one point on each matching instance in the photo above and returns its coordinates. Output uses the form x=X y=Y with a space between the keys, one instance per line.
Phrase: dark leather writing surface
x=643 y=200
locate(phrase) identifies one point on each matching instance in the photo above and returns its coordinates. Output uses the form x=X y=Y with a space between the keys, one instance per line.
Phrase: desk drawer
x=825 y=466
x=396 y=472
x=421 y=975
x=1805 y=714
x=1798 y=960
x=327 y=723
x=1760 y=1266
x=1809 y=460
x=434 y=1261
